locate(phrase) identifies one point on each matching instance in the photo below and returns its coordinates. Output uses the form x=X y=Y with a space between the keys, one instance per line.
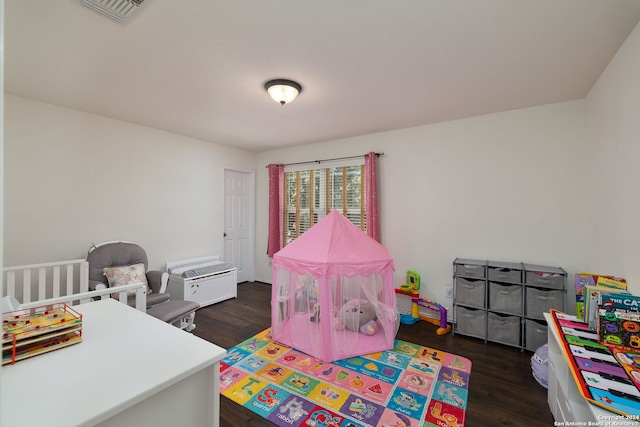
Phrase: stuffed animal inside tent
x=357 y=315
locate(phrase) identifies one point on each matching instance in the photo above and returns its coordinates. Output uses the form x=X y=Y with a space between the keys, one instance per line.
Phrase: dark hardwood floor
x=502 y=391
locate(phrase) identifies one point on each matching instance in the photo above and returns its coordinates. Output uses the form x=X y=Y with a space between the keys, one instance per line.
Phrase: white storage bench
x=205 y=280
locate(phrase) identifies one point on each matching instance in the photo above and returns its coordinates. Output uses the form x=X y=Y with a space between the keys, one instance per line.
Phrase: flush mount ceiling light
x=283 y=91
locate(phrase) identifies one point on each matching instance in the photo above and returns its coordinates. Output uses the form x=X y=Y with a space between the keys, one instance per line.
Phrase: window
x=310 y=194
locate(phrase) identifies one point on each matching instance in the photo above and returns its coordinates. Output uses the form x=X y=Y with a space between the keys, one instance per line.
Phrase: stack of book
x=592 y=301
x=582 y=280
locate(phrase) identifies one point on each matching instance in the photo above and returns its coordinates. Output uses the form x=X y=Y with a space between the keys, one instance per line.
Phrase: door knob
x=224 y=235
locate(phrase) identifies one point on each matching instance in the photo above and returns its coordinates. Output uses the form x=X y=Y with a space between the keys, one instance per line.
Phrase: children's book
x=589 y=279
x=611 y=282
x=619 y=320
x=592 y=300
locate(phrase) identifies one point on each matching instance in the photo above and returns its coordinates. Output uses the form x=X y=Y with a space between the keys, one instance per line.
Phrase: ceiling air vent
x=116 y=10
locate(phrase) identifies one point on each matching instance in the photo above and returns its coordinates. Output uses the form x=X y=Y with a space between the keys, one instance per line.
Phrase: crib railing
x=63 y=281
x=47 y=280
x=122 y=296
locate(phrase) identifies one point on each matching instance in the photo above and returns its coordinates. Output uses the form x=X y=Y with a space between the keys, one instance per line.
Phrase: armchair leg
x=190 y=319
x=187 y=322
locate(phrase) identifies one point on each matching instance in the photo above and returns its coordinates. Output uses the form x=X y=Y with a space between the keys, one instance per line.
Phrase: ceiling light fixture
x=283 y=91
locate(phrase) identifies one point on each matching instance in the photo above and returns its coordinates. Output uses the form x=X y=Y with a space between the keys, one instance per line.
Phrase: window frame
x=325 y=202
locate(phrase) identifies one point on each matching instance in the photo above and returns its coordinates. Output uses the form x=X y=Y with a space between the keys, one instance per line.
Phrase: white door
x=238 y=221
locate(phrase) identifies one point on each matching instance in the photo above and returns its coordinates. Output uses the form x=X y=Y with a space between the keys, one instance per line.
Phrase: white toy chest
x=205 y=280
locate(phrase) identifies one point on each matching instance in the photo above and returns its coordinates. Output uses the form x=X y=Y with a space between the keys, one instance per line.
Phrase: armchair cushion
x=125 y=275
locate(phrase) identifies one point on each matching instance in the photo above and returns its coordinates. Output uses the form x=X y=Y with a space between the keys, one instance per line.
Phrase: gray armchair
x=118 y=256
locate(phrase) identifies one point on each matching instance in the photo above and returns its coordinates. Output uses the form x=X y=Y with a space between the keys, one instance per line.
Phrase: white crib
x=63 y=281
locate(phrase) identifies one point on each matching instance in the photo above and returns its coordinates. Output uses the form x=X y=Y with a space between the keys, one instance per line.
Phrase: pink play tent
x=333 y=294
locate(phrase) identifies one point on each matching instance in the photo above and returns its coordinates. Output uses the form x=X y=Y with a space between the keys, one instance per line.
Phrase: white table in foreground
x=129 y=370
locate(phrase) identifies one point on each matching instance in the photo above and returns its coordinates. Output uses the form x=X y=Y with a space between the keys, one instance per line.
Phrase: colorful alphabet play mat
x=409 y=386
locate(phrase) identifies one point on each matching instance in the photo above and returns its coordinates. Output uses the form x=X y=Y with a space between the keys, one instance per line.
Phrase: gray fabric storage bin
x=504 y=329
x=505 y=272
x=470 y=321
x=547 y=277
x=535 y=334
x=539 y=301
x=470 y=292
x=505 y=298
x=470 y=268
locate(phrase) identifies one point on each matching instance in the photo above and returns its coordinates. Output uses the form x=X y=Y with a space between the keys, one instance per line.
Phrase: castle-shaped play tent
x=332 y=293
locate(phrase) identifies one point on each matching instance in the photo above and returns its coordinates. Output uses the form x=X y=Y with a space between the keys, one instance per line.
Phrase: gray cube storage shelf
x=504 y=302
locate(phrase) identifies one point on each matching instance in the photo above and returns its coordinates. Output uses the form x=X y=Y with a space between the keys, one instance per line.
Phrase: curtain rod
x=325 y=160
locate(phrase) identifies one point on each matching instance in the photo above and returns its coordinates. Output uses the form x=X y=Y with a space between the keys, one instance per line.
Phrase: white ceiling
x=197 y=67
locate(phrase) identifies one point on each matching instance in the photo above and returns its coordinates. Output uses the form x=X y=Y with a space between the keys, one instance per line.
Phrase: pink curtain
x=371 y=195
x=276 y=208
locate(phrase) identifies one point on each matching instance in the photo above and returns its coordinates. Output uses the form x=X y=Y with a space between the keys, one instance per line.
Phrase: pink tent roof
x=334 y=247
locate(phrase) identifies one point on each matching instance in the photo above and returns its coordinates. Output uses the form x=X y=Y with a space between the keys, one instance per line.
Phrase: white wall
x=1 y=144
x=553 y=185
x=504 y=187
x=73 y=178
x=613 y=176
